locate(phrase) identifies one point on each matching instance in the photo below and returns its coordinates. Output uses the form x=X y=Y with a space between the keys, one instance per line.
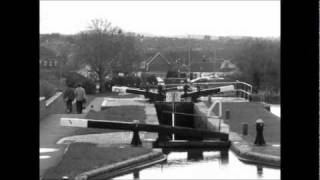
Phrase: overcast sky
x=166 y=18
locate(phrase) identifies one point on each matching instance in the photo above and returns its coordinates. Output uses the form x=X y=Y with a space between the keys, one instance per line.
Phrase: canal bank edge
x=243 y=150
x=146 y=158
x=239 y=146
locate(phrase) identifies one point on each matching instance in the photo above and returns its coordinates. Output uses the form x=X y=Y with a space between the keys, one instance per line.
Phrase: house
x=48 y=63
x=227 y=68
x=156 y=65
x=48 y=59
x=200 y=69
x=213 y=68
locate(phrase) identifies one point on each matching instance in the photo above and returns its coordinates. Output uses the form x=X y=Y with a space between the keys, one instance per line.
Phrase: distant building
x=48 y=59
x=48 y=63
x=156 y=65
x=217 y=68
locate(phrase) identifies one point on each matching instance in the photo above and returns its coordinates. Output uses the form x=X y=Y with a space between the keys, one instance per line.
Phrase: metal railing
x=242 y=89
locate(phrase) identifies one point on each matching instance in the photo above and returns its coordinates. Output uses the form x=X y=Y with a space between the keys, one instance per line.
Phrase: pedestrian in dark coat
x=68 y=96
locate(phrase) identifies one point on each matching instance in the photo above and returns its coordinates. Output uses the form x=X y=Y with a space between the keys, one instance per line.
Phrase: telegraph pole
x=189 y=57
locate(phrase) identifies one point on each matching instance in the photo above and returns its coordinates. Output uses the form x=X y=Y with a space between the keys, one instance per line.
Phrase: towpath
x=51 y=131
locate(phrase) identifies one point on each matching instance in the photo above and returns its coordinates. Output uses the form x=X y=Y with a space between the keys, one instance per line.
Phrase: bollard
x=136 y=175
x=259 y=141
x=224 y=157
x=64 y=178
x=244 y=129
x=136 y=138
x=259 y=170
x=228 y=113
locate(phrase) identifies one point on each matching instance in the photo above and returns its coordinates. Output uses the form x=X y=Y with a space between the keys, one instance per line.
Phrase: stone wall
x=53 y=105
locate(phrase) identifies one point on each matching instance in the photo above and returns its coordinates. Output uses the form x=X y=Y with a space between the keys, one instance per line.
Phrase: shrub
x=130 y=81
x=47 y=89
x=73 y=79
x=151 y=79
x=89 y=86
x=172 y=74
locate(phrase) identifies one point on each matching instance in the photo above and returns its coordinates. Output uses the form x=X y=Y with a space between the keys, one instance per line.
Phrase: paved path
x=55 y=139
x=51 y=131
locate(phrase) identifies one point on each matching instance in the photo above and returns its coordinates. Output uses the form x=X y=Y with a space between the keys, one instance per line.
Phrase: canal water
x=210 y=165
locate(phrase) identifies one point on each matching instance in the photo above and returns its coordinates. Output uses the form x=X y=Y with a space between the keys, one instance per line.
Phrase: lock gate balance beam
x=135 y=127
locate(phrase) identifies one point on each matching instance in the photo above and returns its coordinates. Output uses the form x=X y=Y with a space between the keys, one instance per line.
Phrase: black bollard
x=244 y=129
x=136 y=175
x=224 y=157
x=259 y=170
x=259 y=141
x=136 y=138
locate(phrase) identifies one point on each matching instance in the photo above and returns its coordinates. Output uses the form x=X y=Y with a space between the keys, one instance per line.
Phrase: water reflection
x=275 y=109
x=209 y=165
x=259 y=170
x=136 y=175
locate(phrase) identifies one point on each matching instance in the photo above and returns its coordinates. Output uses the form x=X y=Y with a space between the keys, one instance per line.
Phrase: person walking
x=80 y=94
x=68 y=96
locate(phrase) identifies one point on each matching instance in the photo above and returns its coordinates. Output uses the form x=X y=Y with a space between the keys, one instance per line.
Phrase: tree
x=98 y=47
x=259 y=63
x=129 y=54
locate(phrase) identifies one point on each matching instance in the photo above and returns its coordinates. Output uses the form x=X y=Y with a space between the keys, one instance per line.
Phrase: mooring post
x=259 y=170
x=65 y=178
x=224 y=156
x=244 y=129
x=136 y=138
x=259 y=141
x=209 y=99
x=136 y=175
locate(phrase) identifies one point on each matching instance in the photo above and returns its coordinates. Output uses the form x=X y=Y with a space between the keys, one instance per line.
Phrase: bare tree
x=98 y=47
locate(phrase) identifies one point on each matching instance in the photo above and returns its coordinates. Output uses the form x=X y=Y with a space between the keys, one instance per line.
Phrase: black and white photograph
x=159 y=90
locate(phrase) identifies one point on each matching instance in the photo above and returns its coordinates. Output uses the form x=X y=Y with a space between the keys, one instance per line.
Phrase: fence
x=242 y=89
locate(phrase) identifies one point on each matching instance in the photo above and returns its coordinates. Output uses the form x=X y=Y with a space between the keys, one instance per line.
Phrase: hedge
x=73 y=79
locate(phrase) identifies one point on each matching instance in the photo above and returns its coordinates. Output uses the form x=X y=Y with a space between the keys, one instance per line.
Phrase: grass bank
x=82 y=157
x=249 y=112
